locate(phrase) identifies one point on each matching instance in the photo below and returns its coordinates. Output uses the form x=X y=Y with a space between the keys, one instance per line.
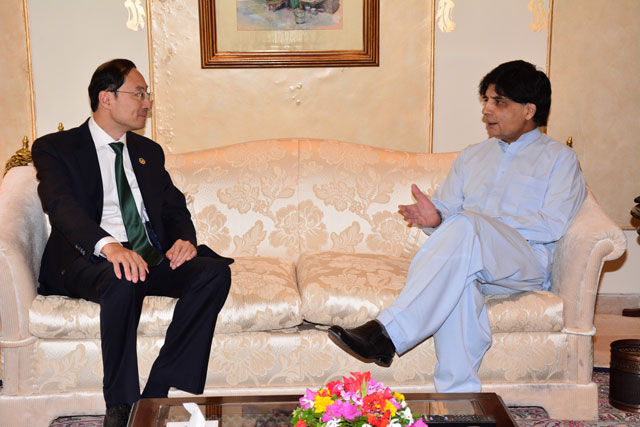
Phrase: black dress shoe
x=117 y=415
x=369 y=341
x=631 y=312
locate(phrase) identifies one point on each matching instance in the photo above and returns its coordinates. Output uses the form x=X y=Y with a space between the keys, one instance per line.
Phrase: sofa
x=317 y=239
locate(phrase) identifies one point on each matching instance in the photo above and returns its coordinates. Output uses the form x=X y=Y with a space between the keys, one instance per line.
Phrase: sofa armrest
x=592 y=239
x=23 y=234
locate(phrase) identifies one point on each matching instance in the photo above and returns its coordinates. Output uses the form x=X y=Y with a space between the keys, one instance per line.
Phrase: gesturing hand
x=423 y=212
x=133 y=265
x=180 y=252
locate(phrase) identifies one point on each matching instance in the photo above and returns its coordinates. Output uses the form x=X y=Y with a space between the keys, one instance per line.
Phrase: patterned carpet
x=524 y=416
x=607 y=414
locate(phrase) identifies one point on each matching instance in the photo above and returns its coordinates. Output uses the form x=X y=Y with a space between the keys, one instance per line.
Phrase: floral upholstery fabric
x=243 y=198
x=339 y=196
x=302 y=357
x=538 y=311
x=350 y=195
x=263 y=296
x=334 y=288
x=349 y=289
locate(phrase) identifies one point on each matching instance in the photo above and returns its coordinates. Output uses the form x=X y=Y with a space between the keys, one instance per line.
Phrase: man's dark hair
x=521 y=82
x=108 y=76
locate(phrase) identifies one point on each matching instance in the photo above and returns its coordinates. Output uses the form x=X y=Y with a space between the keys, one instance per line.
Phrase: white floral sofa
x=317 y=238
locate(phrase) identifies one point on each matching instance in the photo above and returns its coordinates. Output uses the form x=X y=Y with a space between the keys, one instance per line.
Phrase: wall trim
x=432 y=44
x=32 y=97
x=150 y=61
x=615 y=303
x=549 y=38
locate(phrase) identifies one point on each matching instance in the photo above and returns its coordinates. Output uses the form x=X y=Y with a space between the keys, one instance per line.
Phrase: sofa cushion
x=349 y=289
x=263 y=297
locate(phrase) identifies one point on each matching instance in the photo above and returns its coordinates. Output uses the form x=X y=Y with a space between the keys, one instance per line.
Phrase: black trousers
x=202 y=286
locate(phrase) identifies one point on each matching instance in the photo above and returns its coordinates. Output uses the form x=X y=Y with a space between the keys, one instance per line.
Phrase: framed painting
x=289 y=33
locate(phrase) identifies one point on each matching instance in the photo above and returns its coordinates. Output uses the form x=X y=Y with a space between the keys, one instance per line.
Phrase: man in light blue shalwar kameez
x=493 y=224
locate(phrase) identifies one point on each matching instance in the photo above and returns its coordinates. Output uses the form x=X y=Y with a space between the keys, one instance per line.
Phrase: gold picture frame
x=247 y=56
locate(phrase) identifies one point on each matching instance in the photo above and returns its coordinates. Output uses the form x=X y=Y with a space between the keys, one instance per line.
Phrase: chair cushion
x=349 y=289
x=263 y=297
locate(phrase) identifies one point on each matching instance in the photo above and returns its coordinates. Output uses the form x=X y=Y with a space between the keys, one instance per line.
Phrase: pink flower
x=419 y=423
x=307 y=400
x=339 y=409
x=375 y=386
x=351 y=397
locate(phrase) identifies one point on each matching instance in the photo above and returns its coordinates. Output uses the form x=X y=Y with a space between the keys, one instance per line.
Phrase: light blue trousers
x=468 y=256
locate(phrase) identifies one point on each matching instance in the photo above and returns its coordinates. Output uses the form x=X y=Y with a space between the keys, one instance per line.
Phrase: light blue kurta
x=503 y=207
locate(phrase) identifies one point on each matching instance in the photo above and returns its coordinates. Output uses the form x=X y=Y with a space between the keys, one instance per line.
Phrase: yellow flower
x=389 y=407
x=399 y=397
x=322 y=400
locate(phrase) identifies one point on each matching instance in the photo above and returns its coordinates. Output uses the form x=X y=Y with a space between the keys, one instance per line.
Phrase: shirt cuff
x=97 y=251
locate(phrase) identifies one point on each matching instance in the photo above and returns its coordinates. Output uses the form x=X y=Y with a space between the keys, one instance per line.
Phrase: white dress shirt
x=111 y=220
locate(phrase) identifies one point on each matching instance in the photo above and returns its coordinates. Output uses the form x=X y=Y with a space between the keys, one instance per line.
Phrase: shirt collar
x=102 y=138
x=525 y=139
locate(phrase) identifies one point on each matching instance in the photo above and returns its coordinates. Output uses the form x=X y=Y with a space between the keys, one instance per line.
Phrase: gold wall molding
x=432 y=71
x=32 y=97
x=150 y=57
x=549 y=38
x=539 y=15
x=136 y=16
x=444 y=16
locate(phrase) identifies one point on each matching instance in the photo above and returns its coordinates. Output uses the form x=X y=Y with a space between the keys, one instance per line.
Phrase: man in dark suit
x=120 y=230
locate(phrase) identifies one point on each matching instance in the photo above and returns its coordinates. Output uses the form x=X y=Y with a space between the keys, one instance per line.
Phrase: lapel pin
x=142 y=161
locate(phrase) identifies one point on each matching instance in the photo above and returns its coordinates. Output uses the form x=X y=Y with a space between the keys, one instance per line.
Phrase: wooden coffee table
x=272 y=411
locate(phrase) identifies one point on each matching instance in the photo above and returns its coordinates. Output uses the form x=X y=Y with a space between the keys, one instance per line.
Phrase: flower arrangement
x=356 y=401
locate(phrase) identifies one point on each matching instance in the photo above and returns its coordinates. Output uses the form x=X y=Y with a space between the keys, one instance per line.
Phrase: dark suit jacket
x=71 y=192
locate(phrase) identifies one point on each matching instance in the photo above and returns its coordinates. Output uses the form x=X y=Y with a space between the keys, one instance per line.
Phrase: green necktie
x=132 y=222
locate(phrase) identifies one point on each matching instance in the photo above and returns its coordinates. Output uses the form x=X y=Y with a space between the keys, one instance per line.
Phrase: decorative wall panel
x=69 y=39
x=15 y=93
x=385 y=106
x=471 y=38
x=595 y=60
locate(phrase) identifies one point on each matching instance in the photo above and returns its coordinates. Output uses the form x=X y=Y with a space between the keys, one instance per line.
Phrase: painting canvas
x=285 y=15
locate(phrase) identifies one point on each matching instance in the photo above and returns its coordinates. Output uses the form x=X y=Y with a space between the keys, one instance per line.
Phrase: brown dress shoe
x=369 y=341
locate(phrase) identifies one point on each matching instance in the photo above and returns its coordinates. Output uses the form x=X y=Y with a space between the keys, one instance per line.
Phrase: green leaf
x=364 y=388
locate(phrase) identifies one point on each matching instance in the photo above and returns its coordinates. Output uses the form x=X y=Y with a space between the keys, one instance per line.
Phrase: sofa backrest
x=284 y=197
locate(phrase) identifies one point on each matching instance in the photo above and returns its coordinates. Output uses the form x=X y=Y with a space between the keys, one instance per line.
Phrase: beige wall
x=385 y=106
x=622 y=276
x=477 y=36
x=15 y=98
x=595 y=63
x=69 y=39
